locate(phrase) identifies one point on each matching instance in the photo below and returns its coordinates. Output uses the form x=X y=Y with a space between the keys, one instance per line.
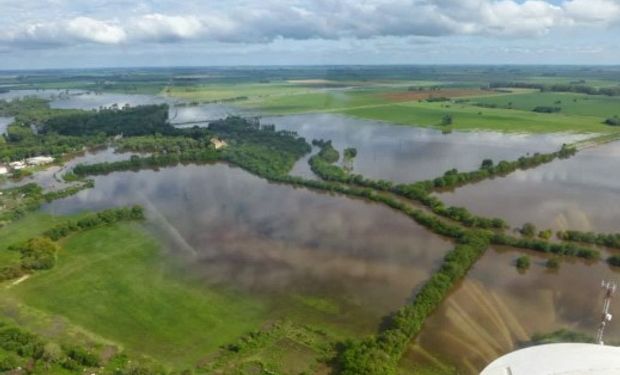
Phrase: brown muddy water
x=407 y=154
x=352 y=260
x=496 y=309
x=581 y=193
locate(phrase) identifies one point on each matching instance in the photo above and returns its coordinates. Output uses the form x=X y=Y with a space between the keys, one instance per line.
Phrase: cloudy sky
x=106 y=33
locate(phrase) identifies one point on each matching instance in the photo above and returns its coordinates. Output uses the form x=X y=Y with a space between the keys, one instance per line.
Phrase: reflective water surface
x=233 y=228
x=578 y=193
x=405 y=154
x=496 y=309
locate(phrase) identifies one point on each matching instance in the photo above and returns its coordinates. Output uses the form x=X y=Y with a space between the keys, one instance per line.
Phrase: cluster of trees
x=613 y=121
x=614 y=260
x=419 y=191
x=29 y=197
x=136 y=163
x=106 y=217
x=546 y=109
x=601 y=239
x=259 y=149
x=160 y=144
x=453 y=178
x=35 y=354
x=561 y=87
x=39 y=253
x=380 y=355
x=129 y=121
x=543 y=246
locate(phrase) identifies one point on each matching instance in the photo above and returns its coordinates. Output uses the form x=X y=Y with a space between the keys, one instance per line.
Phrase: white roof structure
x=558 y=359
x=3 y=170
x=38 y=160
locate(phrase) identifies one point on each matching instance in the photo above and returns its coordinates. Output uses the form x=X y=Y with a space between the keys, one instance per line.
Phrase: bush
x=82 y=356
x=39 y=253
x=528 y=230
x=553 y=264
x=614 y=260
x=9 y=362
x=523 y=263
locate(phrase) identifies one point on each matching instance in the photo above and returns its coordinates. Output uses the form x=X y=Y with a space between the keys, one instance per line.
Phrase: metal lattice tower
x=610 y=289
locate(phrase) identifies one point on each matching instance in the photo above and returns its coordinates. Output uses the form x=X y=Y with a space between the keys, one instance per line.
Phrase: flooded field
x=496 y=309
x=4 y=123
x=406 y=154
x=51 y=178
x=578 y=193
x=349 y=263
x=361 y=260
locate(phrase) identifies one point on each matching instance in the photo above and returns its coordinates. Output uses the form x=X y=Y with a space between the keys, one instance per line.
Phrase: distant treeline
x=561 y=87
x=129 y=121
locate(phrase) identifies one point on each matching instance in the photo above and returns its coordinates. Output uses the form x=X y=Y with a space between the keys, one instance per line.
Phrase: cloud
x=76 y=30
x=161 y=28
x=593 y=11
x=245 y=21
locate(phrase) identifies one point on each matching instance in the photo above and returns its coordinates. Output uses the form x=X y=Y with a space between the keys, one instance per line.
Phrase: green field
x=586 y=114
x=571 y=104
x=466 y=117
x=112 y=282
x=113 y=285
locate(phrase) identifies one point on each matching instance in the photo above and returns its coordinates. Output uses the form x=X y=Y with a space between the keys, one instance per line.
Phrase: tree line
x=561 y=87
x=39 y=253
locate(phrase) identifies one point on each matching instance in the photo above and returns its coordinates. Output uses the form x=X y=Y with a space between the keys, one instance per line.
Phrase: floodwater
x=235 y=229
x=580 y=193
x=496 y=309
x=89 y=100
x=407 y=154
x=51 y=178
x=4 y=124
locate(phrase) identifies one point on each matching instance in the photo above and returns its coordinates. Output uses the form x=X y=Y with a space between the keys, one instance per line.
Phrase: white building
x=3 y=170
x=556 y=359
x=17 y=165
x=39 y=160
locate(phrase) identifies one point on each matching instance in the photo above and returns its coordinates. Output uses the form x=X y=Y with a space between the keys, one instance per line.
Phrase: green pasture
x=571 y=104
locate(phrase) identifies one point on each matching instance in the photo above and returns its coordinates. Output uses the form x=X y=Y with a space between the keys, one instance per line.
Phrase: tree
x=523 y=263
x=486 y=164
x=528 y=230
x=553 y=264
x=446 y=120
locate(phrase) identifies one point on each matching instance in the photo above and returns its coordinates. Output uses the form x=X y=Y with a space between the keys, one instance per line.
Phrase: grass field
x=115 y=285
x=20 y=231
x=252 y=91
x=111 y=281
x=580 y=113
x=572 y=104
x=467 y=117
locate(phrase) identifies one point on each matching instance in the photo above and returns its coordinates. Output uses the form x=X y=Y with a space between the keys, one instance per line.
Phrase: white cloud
x=91 y=30
x=263 y=21
x=593 y=11
x=161 y=28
